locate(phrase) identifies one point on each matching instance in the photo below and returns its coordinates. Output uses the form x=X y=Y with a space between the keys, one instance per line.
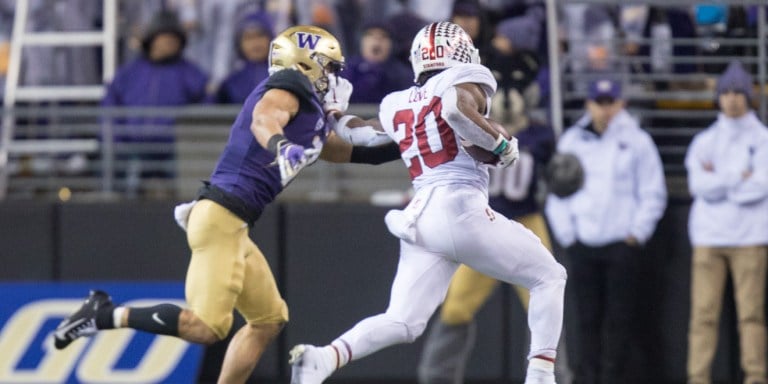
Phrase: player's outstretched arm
x=337 y=150
x=357 y=131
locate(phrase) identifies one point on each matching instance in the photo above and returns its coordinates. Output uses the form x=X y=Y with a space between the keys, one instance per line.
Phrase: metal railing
x=88 y=153
x=70 y=151
x=684 y=104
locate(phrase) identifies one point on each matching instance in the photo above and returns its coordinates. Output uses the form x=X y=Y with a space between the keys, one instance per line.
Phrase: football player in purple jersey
x=282 y=128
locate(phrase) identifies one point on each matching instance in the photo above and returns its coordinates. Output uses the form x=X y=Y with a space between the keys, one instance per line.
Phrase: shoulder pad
x=468 y=73
x=292 y=81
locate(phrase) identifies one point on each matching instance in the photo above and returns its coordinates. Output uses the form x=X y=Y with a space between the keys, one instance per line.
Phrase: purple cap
x=604 y=88
x=736 y=79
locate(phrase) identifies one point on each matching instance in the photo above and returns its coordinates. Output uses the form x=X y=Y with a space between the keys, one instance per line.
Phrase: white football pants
x=456 y=226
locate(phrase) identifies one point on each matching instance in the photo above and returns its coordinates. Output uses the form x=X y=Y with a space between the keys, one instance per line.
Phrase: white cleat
x=309 y=365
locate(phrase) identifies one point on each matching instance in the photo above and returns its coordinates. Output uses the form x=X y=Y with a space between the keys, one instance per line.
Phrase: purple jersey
x=513 y=190
x=244 y=170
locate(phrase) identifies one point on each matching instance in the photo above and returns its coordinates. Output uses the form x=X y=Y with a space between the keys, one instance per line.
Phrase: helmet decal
x=307 y=40
x=439 y=46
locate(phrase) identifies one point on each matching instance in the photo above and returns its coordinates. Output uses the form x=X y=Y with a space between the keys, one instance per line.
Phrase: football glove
x=292 y=158
x=337 y=97
x=507 y=151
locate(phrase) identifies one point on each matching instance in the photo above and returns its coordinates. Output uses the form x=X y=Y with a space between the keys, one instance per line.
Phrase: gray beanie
x=736 y=79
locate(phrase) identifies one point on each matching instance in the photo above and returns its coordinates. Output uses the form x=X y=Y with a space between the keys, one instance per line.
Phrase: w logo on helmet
x=307 y=40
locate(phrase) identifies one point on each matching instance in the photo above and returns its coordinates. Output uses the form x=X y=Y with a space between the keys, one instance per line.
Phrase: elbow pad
x=365 y=136
x=465 y=127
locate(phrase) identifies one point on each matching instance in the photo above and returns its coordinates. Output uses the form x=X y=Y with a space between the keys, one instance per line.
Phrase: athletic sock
x=341 y=351
x=542 y=364
x=162 y=319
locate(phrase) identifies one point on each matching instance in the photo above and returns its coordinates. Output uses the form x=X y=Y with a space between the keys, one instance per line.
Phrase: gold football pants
x=470 y=289
x=228 y=271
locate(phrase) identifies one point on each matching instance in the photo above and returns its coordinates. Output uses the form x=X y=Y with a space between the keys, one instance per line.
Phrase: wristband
x=502 y=145
x=273 y=141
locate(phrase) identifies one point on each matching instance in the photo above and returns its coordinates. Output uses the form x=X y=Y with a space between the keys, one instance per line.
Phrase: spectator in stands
x=375 y=72
x=472 y=18
x=404 y=26
x=58 y=65
x=728 y=227
x=603 y=227
x=161 y=77
x=513 y=58
x=589 y=31
x=211 y=28
x=252 y=38
x=660 y=25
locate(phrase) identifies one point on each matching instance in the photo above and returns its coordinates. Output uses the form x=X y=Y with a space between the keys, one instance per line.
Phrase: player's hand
x=339 y=92
x=292 y=158
x=508 y=153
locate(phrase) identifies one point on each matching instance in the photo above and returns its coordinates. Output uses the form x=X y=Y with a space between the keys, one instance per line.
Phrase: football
x=481 y=154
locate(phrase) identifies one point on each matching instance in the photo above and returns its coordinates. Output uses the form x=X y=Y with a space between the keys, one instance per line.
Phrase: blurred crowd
x=182 y=52
x=224 y=43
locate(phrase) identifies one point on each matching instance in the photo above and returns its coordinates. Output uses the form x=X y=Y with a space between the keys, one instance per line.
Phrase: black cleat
x=82 y=322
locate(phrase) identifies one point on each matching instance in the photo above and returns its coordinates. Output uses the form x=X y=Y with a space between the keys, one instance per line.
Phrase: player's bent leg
x=265 y=313
x=98 y=313
x=509 y=252
x=170 y=320
x=420 y=285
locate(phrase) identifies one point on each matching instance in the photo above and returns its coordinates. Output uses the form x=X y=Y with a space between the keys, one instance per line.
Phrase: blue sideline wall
x=334 y=264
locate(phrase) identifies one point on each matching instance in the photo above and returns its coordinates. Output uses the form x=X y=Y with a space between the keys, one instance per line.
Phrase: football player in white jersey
x=448 y=222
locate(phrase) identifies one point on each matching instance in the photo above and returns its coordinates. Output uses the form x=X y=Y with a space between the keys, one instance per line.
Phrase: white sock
x=117 y=316
x=342 y=351
x=541 y=365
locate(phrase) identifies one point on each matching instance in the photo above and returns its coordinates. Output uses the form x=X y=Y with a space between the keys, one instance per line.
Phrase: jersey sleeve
x=292 y=81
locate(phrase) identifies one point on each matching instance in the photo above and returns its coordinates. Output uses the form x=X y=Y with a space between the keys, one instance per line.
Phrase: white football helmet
x=439 y=46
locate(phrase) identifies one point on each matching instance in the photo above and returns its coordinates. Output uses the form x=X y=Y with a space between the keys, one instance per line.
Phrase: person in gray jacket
x=603 y=227
x=728 y=227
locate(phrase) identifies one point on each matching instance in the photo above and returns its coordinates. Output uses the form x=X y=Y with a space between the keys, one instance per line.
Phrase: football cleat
x=83 y=322
x=308 y=365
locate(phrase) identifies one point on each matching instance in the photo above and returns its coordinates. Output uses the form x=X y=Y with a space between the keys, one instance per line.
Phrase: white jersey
x=428 y=145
